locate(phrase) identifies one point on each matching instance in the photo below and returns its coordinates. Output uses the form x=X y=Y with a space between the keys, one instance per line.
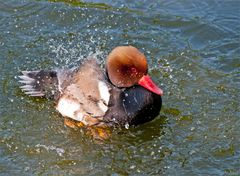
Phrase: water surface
x=193 y=49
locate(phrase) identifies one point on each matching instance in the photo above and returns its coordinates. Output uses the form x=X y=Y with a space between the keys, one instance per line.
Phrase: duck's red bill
x=147 y=83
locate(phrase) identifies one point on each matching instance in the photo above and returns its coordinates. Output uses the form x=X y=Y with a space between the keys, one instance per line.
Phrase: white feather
x=27 y=72
x=70 y=108
x=104 y=91
x=104 y=94
x=27 y=87
x=25 y=81
x=102 y=106
x=26 y=78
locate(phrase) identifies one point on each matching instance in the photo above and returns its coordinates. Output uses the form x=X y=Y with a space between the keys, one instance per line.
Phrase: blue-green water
x=193 y=49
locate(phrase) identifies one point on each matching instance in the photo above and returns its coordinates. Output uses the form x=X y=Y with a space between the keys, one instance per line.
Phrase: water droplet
x=132 y=167
x=192 y=128
x=27 y=168
x=192 y=152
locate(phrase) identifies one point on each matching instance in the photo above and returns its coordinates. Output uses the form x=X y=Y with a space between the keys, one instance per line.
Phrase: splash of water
x=59 y=151
x=71 y=52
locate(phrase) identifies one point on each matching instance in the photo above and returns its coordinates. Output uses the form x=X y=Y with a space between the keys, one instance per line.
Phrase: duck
x=122 y=94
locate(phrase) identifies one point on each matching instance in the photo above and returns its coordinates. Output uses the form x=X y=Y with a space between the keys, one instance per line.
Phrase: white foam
x=59 y=151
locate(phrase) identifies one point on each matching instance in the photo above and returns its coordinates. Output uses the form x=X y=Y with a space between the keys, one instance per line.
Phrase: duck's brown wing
x=86 y=95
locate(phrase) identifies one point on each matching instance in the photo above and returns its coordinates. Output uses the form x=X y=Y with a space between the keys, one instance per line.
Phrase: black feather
x=133 y=106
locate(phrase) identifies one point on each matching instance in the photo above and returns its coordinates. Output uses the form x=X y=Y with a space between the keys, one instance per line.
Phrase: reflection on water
x=193 y=50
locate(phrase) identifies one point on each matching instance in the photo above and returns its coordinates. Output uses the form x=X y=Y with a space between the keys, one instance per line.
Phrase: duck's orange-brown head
x=127 y=66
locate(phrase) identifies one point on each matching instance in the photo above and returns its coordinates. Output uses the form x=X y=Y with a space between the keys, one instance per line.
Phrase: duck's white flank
x=69 y=108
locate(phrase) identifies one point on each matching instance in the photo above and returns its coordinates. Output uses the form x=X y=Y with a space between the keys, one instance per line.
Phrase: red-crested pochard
x=122 y=95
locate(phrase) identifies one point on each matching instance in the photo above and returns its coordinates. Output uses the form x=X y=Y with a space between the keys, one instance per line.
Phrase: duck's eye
x=129 y=70
x=133 y=70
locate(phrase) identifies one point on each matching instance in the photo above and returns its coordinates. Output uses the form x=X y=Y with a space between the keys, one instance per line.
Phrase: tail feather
x=29 y=90
x=40 y=83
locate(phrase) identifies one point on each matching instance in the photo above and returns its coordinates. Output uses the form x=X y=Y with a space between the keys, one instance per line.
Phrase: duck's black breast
x=133 y=106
